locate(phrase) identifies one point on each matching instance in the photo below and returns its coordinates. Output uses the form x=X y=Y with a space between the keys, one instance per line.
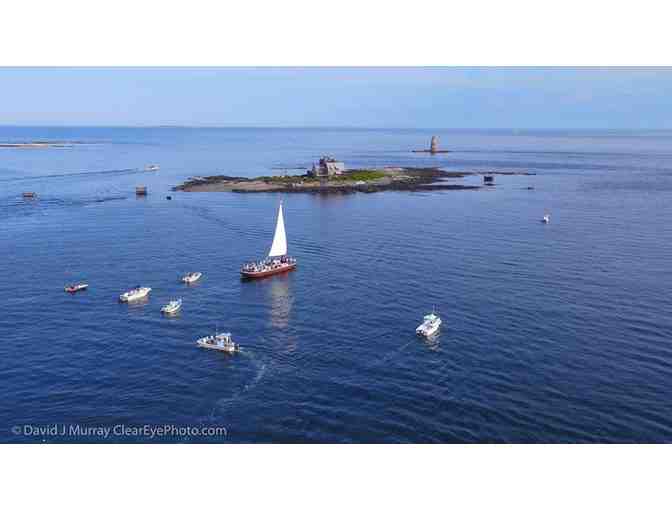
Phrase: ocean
x=555 y=333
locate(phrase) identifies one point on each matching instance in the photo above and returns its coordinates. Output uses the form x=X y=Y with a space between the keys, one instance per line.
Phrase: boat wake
x=391 y=355
x=124 y=171
x=223 y=404
x=257 y=378
x=208 y=214
x=16 y=206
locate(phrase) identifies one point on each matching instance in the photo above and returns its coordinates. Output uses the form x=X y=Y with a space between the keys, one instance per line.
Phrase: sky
x=525 y=98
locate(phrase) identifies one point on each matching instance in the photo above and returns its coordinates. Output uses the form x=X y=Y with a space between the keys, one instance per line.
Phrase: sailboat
x=277 y=260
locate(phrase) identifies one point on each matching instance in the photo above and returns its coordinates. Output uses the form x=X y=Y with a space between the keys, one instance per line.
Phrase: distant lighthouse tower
x=434 y=144
x=433 y=147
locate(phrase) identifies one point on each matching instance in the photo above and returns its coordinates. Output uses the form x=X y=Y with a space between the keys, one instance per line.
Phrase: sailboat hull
x=269 y=272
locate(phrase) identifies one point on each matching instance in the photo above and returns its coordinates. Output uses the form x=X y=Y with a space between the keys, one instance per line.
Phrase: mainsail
x=279 y=246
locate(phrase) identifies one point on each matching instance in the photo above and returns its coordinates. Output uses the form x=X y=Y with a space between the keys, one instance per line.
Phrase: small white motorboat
x=219 y=342
x=172 y=307
x=430 y=325
x=151 y=168
x=546 y=218
x=135 y=294
x=191 y=277
x=76 y=287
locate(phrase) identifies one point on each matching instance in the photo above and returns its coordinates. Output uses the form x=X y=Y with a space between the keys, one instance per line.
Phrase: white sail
x=279 y=246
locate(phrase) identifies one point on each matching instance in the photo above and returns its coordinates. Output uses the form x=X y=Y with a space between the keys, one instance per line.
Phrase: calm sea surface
x=552 y=333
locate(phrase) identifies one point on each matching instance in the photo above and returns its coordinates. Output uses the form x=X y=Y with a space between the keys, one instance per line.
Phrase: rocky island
x=346 y=181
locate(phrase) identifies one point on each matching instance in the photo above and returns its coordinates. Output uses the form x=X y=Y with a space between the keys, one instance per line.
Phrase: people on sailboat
x=268 y=264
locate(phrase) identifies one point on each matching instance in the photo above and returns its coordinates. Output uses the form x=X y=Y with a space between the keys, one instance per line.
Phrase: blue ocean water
x=552 y=333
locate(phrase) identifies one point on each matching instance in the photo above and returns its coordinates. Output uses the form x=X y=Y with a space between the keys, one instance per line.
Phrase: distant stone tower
x=434 y=145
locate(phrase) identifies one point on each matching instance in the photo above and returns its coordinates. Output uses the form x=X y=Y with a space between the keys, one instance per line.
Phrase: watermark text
x=119 y=431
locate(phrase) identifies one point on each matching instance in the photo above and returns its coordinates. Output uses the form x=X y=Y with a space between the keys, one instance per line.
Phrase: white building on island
x=327 y=167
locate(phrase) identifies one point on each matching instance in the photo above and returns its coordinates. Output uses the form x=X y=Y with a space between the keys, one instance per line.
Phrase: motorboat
x=172 y=307
x=277 y=260
x=219 y=342
x=151 y=168
x=546 y=218
x=191 y=277
x=430 y=325
x=135 y=294
x=76 y=287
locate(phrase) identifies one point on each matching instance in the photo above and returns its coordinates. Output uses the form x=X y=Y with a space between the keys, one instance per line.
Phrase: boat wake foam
x=123 y=171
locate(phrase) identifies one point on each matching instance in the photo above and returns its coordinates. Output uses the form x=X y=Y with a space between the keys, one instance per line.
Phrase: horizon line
x=188 y=126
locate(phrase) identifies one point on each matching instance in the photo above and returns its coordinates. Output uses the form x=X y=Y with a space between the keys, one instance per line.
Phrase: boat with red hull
x=76 y=287
x=282 y=267
x=277 y=261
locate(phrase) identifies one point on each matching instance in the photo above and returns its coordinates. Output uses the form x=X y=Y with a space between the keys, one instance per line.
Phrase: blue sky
x=359 y=97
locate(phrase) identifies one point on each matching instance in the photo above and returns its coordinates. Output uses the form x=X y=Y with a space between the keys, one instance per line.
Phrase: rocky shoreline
x=352 y=181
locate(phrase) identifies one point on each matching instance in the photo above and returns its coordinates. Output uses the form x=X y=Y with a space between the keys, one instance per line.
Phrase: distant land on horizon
x=353 y=128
